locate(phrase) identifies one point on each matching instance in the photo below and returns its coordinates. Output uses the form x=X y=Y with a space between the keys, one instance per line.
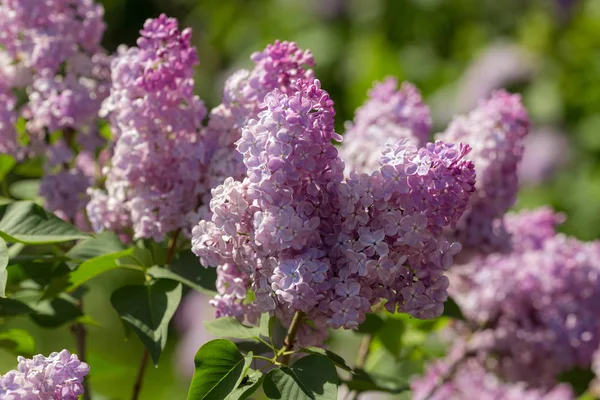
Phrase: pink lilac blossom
x=276 y=67
x=304 y=239
x=496 y=131
x=389 y=115
x=543 y=321
x=456 y=378
x=153 y=179
x=58 y=376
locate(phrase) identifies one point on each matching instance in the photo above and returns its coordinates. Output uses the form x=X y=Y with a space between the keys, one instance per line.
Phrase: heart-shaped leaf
x=219 y=369
x=148 y=310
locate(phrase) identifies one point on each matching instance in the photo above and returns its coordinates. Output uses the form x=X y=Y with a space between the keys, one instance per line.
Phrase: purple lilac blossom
x=158 y=160
x=496 y=131
x=389 y=115
x=8 y=118
x=303 y=239
x=457 y=378
x=58 y=376
x=277 y=66
x=543 y=321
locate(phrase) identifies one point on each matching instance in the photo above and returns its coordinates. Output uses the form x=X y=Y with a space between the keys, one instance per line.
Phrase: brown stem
x=78 y=330
x=363 y=351
x=137 y=387
x=173 y=246
x=290 y=338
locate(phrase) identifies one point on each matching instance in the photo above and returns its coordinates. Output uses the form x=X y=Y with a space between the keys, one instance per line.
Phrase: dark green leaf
x=28 y=223
x=3 y=265
x=578 y=378
x=18 y=342
x=336 y=358
x=55 y=312
x=452 y=310
x=310 y=378
x=390 y=335
x=219 y=369
x=253 y=346
x=186 y=265
x=148 y=310
x=372 y=324
x=27 y=189
x=11 y=308
x=364 y=382
x=103 y=243
x=232 y=328
x=96 y=266
x=158 y=272
x=7 y=163
x=248 y=386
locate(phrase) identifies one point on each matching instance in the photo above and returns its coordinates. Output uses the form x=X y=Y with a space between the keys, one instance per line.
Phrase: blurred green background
x=453 y=50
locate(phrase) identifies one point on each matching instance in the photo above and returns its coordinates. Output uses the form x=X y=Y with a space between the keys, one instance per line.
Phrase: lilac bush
x=292 y=232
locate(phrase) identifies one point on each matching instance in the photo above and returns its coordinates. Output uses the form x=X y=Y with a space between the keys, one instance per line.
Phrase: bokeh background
x=455 y=51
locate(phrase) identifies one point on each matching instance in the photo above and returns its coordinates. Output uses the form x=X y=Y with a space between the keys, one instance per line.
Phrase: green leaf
x=336 y=358
x=452 y=310
x=18 y=342
x=219 y=369
x=364 y=382
x=310 y=378
x=148 y=310
x=5 y=200
x=12 y=308
x=372 y=324
x=95 y=266
x=390 y=335
x=53 y=313
x=28 y=223
x=103 y=243
x=3 y=265
x=248 y=386
x=27 y=189
x=7 y=163
x=163 y=273
x=578 y=378
x=232 y=328
x=186 y=265
x=253 y=346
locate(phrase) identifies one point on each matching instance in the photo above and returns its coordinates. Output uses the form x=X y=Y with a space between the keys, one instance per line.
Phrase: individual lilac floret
x=303 y=239
x=159 y=158
x=496 y=131
x=543 y=321
x=466 y=379
x=390 y=114
x=58 y=376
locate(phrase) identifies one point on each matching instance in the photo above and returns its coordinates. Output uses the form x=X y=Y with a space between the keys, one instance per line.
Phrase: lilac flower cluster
x=51 y=55
x=153 y=179
x=496 y=131
x=280 y=64
x=58 y=376
x=544 y=320
x=386 y=117
x=299 y=237
x=466 y=379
